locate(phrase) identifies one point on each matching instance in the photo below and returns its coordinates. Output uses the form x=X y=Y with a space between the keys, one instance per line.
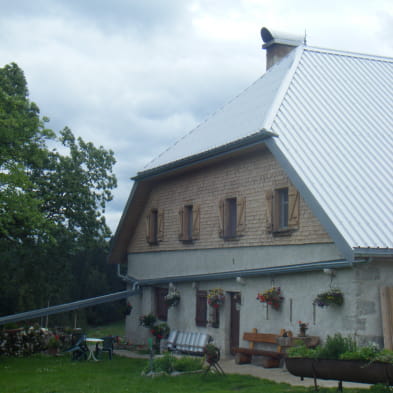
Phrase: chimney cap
x=271 y=37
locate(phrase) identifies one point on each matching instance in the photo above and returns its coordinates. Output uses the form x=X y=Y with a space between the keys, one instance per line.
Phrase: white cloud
x=135 y=75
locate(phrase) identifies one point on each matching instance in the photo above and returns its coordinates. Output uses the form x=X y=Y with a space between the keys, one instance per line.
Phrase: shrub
x=335 y=346
x=169 y=363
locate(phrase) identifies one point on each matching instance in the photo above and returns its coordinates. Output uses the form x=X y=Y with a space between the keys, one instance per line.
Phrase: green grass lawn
x=114 y=329
x=45 y=374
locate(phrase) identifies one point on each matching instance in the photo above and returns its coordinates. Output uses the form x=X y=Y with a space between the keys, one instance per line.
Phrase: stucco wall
x=359 y=316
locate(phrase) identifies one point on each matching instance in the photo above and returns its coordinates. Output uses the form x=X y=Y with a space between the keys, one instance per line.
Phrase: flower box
x=342 y=370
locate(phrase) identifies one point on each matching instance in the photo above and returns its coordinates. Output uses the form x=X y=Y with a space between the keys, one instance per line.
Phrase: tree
x=52 y=204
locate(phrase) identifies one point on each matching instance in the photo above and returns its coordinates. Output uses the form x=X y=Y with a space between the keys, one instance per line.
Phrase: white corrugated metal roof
x=335 y=127
x=333 y=113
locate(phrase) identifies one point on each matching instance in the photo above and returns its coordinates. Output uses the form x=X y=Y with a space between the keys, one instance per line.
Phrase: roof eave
x=256 y=138
x=373 y=252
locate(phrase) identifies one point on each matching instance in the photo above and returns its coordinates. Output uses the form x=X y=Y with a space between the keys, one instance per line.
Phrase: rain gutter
x=239 y=144
x=267 y=271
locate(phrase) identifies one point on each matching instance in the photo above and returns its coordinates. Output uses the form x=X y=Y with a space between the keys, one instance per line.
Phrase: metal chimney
x=278 y=45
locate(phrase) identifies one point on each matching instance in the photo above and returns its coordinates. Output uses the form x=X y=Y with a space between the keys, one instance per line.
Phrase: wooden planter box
x=342 y=370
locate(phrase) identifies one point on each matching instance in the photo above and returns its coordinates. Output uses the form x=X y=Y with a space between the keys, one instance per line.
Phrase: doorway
x=234 y=321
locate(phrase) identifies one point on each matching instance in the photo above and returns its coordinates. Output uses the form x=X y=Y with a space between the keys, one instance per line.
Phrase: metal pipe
x=67 y=307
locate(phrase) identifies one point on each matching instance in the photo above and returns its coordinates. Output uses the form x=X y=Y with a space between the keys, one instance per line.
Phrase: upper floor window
x=232 y=217
x=155 y=226
x=282 y=208
x=189 y=220
x=282 y=213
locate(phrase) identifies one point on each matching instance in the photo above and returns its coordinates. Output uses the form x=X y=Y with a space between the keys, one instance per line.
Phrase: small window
x=282 y=210
x=155 y=226
x=201 y=308
x=161 y=306
x=189 y=220
x=232 y=217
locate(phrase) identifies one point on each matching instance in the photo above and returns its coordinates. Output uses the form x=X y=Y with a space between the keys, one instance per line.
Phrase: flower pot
x=342 y=370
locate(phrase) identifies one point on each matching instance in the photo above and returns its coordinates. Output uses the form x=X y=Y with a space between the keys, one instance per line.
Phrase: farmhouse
x=290 y=186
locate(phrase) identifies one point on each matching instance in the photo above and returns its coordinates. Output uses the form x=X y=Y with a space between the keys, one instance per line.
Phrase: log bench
x=272 y=357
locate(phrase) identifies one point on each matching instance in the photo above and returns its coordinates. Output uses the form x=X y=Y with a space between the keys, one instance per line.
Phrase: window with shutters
x=201 y=308
x=232 y=217
x=155 y=226
x=161 y=306
x=282 y=210
x=189 y=223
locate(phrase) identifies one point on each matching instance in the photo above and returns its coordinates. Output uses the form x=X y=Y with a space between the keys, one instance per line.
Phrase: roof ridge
x=284 y=86
x=345 y=53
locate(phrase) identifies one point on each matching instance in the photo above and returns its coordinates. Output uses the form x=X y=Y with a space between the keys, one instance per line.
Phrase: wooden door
x=234 y=321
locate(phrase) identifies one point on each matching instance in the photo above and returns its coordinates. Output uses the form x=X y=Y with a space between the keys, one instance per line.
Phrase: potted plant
x=303 y=326
x=272 y=297
x=172 y=299
x=160 y=331
x=216 y=297
x=340 y=359
x=147 y=321
x=212 y=353
x=333 y=296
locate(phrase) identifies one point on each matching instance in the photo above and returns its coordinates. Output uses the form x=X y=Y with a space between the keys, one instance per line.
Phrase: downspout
x=134 y=283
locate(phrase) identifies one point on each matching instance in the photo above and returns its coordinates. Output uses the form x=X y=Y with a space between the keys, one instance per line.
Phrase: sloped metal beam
x=42 y=312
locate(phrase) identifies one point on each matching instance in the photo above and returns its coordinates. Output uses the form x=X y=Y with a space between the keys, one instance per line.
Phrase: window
x=232 y=217
x=282 y=208
x=201 y=308
x=155 y=226
x=282 y=213
x=161 y=306
x=189 y=219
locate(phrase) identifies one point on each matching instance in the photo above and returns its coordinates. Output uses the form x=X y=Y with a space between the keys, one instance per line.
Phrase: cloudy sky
x=135 y=75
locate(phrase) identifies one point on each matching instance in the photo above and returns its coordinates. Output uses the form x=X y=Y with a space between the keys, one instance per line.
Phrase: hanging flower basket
x=172 y=299
x=333 y=296
x=272 y=297
x=216 y=297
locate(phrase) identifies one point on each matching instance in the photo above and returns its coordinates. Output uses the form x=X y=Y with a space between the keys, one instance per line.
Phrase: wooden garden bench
x=273 y=356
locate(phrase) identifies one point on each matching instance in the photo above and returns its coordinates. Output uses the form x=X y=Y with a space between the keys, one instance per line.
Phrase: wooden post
x=387 y=316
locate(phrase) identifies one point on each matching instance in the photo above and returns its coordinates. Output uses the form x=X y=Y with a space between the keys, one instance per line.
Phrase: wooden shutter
x=196 y=219
x=181 y=223
x=269 y=210
x=293 y=208
x=240 y=216
x=160 y=225
x=148 y=233
x=221 y=206
x=201 y=308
